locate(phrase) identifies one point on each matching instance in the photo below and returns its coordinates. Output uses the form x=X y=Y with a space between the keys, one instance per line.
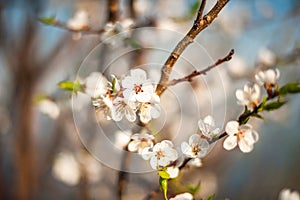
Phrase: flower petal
x=230 y=142
x=194 y=139
x=154 y=162
x=173 y=171
x=232 y=127
x=147 y=154
x=186 y=149
x=116 y=115
x=134 y=145
x=245 y=146
x=240 y=95
x=130 y=114
x=155 y=111
x=209 y=120
x=128 y=82
x=139 y=75
x=143 y=97
x=201 y=126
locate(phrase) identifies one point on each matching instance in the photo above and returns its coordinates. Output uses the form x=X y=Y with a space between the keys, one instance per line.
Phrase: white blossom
x=118 y=27
x=183 y=196
x=137 y=87
x=197 y=147
x=96 y=85
x=49 y=108
x=140 y=141
x=122 y=107
x=173 y=171
x=105 y=105
x=207 y=127
x=161 y=155
x=195 y=162
x=149 y=110
x=242 y=135
x=66 y=169
x=250 y=96
x=266 y=57
x=268 y=78
x=287 y=194
x=79 y=21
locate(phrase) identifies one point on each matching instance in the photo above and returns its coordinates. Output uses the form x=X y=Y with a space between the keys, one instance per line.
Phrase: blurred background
x=44 y=154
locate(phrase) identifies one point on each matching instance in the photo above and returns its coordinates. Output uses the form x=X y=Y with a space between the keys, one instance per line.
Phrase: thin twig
x=197 y=73
x=89 y=31
x=123 y=175
x=199 y=24
x=84 y=30
x=201 y=9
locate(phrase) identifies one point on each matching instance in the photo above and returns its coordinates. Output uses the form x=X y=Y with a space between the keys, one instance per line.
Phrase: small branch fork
x=199 y=24
x=202 y=72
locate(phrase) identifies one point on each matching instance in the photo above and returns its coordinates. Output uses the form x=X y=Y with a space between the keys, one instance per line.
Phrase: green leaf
x=133 y=43
x=211 y=197
x=263 y=103
x=257 y=116
x=163 y=174
x=48 y=20
x=164 y=186
x=193 y=189
x=273 y=105
x=70 y=86
x=291 y=88
x=115 y=84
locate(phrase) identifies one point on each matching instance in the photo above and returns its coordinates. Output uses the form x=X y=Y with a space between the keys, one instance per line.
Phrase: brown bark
x=200 y=24
x=25 y=159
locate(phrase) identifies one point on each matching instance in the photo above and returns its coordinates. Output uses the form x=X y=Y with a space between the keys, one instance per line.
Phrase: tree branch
x=199 y=24
x=197 y=73
x=201 y=9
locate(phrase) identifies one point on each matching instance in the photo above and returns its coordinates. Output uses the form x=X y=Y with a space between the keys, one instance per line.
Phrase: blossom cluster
x=134 y=94
x=243 y=135
x=120 y=28
x=251 y=94
x=164 y=155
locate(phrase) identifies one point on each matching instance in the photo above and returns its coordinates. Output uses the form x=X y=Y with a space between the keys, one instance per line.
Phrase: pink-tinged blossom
x=140 y=141
x=207 y=127
x=137 y=87
x=268 y=78
x=122 y=107
x=196 y=148
x=242 y=135
x=250 y=96
x=161 y=155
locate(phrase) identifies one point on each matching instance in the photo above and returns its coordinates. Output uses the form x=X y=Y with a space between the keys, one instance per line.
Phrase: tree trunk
x=25 y=163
